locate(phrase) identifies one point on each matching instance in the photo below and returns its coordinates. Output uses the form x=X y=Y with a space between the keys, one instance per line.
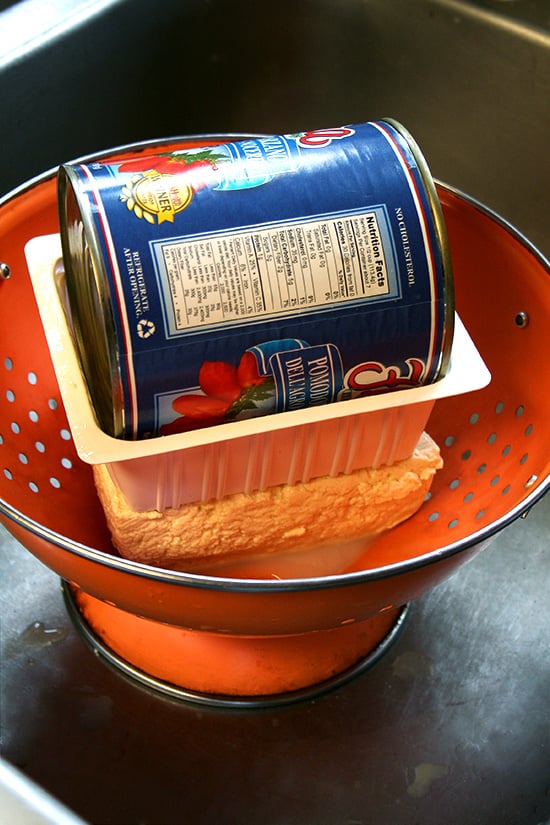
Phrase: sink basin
x=468 y=79
x=468 y=686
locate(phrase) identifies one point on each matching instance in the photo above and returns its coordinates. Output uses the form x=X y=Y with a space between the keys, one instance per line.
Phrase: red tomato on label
x=219 y=379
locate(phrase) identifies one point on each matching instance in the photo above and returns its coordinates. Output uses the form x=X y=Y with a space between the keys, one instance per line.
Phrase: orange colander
x=246 y=641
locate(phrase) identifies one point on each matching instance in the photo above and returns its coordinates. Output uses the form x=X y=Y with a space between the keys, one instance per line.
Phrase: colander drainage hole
x=32 y=378
x=8 y=363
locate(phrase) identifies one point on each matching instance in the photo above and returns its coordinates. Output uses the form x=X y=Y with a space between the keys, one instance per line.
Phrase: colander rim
x=275 y=585
x=210 y=582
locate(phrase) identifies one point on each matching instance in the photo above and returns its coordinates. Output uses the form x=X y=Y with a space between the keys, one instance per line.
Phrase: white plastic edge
x=467 y=372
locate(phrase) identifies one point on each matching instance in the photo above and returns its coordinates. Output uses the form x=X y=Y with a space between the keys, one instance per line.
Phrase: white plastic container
x=241 y=456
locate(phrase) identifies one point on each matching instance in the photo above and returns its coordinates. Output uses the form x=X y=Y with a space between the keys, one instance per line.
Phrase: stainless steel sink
x=433 y=733
x=470 y=80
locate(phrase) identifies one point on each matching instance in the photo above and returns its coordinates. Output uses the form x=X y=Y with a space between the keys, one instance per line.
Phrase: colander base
x=225 y=670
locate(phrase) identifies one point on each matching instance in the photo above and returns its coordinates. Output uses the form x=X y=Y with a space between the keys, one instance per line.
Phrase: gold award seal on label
x=157 y=197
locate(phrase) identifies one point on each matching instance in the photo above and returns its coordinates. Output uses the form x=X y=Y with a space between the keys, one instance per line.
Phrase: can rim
x=87 y=291
x=442 y=241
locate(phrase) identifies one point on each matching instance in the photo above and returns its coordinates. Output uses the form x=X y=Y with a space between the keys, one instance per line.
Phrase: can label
x=267 y=274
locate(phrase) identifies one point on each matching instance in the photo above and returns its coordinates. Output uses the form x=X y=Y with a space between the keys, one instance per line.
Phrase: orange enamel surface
x=232 y=665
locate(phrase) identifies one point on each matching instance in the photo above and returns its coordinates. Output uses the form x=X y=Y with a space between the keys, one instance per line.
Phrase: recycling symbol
x=145 y=328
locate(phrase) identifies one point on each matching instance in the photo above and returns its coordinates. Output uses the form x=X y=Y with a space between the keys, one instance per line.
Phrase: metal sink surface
x=452 y=725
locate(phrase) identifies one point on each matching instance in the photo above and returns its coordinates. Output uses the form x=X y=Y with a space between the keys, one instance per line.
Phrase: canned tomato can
x=255 y=276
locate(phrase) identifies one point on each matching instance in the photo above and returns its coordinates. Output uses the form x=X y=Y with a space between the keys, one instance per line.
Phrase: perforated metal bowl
x=246 y=641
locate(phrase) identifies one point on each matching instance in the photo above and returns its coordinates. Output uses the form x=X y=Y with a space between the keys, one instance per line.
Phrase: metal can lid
x=90 y=307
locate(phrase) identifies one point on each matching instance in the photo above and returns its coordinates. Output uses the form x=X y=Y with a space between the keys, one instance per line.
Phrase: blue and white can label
x=217 y=282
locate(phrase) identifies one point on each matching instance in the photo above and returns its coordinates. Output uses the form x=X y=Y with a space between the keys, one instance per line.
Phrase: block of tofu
x=277 y=520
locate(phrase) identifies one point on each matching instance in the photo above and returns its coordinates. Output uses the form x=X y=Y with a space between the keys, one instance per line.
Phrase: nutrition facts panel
x=272 y=270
